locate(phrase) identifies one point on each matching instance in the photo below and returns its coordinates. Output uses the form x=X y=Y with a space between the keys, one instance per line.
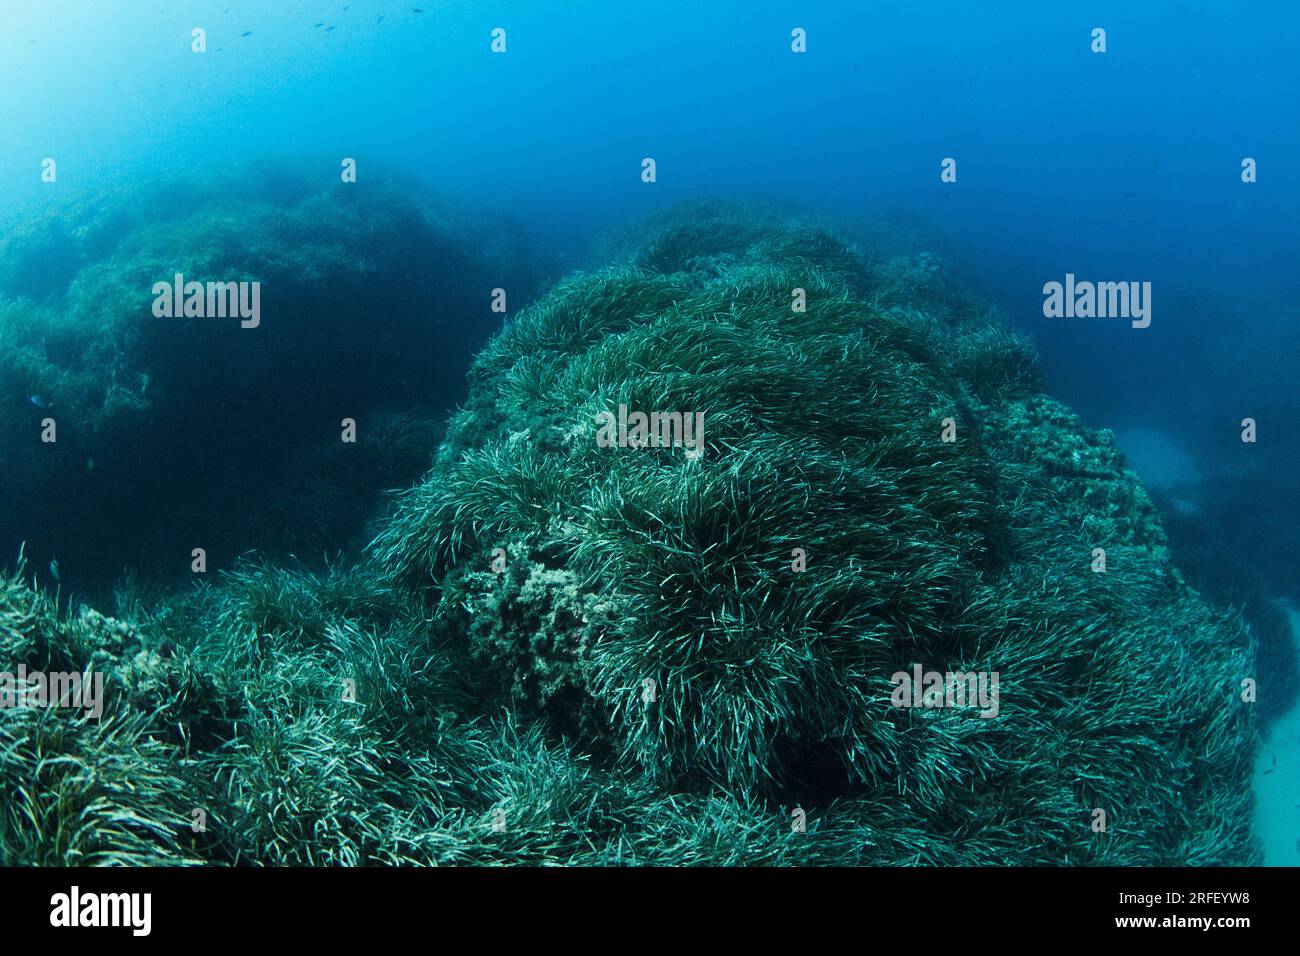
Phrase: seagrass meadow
x=553 y=652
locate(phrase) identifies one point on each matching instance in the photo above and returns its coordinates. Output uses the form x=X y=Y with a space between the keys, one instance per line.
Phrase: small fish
x=37 y=401
x=379 y=19
x=328 y=29
x=319 y=23
x=417 y=9
x=54 y=569
x=247 y=33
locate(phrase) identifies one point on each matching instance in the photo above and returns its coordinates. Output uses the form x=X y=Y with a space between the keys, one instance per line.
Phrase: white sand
x=1158 y=459
x=1277 y=784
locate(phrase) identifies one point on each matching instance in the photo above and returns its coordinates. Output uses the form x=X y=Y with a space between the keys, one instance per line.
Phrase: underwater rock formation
x=372 y=302
x=1119 y=688
x=569 y=653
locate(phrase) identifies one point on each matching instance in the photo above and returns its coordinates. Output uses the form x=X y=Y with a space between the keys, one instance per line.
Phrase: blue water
x=1118 y=165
